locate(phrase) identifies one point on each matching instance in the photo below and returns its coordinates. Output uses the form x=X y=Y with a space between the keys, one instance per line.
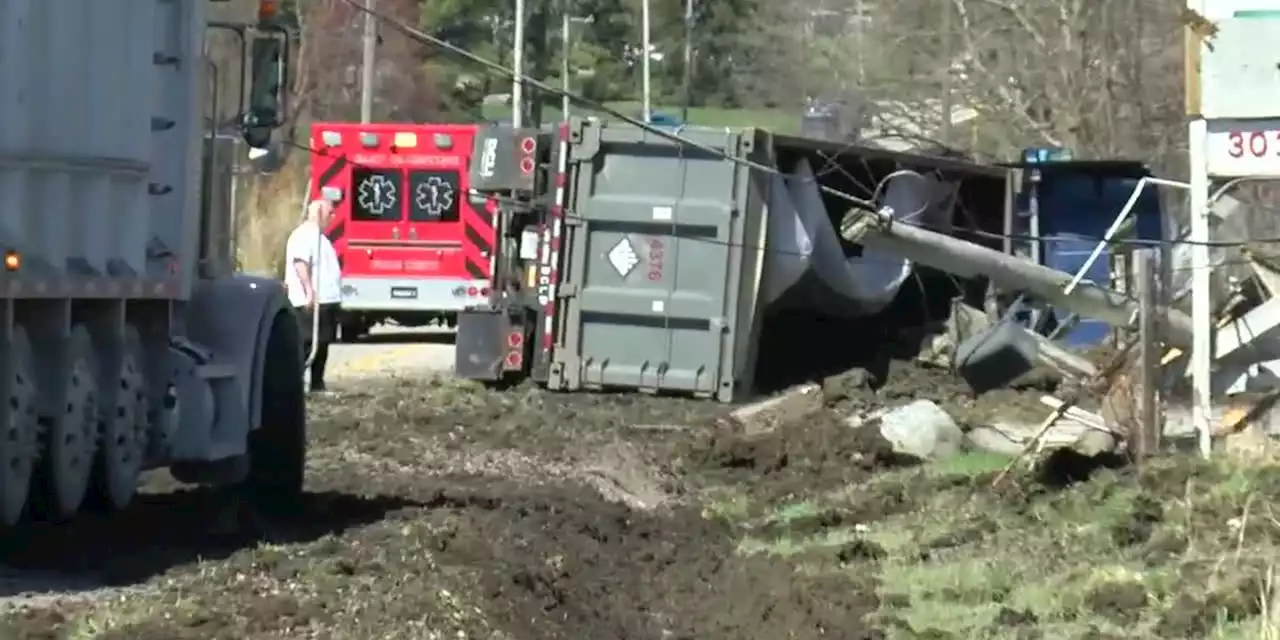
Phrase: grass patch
x=1180 y=549
x=266 y=216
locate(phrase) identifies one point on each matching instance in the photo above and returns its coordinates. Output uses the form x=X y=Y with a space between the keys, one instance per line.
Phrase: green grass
x=1182 y=549
x=777 y=120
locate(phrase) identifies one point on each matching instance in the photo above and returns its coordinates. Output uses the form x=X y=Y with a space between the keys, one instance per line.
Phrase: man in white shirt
x=314 y=282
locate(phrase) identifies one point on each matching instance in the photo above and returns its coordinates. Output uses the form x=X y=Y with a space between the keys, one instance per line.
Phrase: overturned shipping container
x=685 y=266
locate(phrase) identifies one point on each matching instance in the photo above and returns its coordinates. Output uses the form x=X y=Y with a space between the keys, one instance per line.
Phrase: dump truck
x=129 y=343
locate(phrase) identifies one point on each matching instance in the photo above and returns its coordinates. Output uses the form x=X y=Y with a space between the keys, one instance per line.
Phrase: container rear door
x=374 y=221
x=654 y=242
x=441 y=214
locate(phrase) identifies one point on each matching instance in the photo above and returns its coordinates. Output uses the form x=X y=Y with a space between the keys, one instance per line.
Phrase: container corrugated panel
x=661 y=277
x=99 y=146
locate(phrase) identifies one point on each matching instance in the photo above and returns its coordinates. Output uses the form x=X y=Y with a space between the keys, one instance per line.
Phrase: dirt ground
x=438 y=509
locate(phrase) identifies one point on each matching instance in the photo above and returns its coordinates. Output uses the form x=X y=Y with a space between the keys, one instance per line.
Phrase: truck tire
x=70 y=440
x=20 y=446
x=278 y=447
x=122 y=449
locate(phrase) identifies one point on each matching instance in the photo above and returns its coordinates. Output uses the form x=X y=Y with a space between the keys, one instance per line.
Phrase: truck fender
x=232 y=317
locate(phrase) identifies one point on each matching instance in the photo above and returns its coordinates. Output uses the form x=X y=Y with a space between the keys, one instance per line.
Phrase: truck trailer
x=127 y=341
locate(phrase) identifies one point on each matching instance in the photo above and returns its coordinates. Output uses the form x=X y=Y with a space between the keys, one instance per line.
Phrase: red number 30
x=1253 y=144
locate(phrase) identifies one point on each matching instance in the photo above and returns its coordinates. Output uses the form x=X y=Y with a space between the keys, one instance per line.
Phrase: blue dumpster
x=1078 y=202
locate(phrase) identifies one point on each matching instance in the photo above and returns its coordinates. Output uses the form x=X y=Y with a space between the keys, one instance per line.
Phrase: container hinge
x=162 y=124
x=573 y=220
x=585 y=145
x=162 y=59
x=567 y=291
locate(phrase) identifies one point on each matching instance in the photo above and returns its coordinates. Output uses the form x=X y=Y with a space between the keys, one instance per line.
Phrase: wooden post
x=1148 y=425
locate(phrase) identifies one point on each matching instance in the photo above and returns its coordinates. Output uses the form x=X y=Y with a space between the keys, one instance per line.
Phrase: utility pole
x=564 y=60
x=648 y=106
x=949 y=54
x=861 y=44
x=687 y=89
x=368 y=63
x=517 y=66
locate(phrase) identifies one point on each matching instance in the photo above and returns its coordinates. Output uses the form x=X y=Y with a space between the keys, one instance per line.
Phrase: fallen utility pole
x=878 y=230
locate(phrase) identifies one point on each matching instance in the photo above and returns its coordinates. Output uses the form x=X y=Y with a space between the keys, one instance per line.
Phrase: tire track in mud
x=436 y=505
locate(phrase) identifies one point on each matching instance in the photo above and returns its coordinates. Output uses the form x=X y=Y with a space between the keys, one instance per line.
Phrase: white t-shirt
x=307 y=244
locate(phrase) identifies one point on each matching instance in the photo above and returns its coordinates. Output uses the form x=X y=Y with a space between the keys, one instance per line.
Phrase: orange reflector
x=12 y=262
x=268 y=9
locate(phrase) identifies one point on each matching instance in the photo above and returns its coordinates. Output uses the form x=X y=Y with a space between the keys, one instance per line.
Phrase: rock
x=993 y=440
x=920 y=429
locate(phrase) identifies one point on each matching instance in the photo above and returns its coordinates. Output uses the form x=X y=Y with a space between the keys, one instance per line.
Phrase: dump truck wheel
x=70 y=441
x=278 y=448
x=125 y=431
x=19 y=429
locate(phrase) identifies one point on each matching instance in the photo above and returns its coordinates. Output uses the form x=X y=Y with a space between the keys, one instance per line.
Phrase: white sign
x=435 y=196
x=488 y=157
x=377 y=194
x=1238 y=148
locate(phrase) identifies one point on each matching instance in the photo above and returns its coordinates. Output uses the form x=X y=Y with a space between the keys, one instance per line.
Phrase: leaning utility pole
x=644 y=47
x=688 y=60
x=564 y=60
x=946 y=106
x=367 y=63
x=517 y=66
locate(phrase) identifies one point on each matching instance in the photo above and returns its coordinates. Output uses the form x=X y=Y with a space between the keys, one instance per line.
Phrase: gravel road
x=392 y=351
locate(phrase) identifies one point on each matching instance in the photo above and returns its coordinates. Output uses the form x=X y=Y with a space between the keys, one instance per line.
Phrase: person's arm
x=300 y=261
x=304 y=276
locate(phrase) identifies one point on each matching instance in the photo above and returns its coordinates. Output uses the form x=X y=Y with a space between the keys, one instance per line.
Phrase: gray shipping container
x=664 y=254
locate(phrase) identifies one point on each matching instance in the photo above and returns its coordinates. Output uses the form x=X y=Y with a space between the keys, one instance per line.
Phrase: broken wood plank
x=1076 y=413
x=765 y=414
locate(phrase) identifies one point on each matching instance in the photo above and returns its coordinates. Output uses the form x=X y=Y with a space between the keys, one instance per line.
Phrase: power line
x=425 y=38
x=862 y=203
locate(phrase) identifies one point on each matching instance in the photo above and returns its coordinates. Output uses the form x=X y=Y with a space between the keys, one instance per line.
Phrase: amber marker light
x=268 y=9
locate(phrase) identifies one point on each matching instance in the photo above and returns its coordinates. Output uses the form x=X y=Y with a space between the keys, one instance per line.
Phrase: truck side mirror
x=269 y=62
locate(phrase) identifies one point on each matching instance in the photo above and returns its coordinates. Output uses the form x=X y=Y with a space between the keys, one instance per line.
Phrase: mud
x=437 y=509
x=447 y=510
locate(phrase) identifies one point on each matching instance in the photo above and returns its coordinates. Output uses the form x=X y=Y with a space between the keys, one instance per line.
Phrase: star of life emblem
x=623 y=257
x=377 y=194
x=435 y=196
